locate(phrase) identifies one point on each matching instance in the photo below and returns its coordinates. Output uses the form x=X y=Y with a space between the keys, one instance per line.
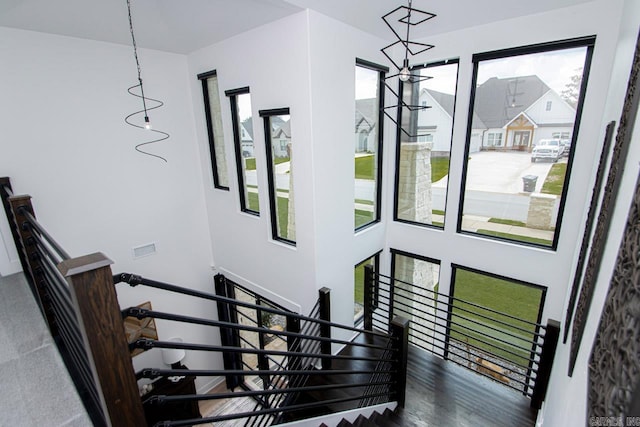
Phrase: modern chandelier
x=148 y=104
x=400 y=21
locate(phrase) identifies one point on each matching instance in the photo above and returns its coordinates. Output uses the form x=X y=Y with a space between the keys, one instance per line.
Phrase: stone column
x=414 y=182
x=540 y=215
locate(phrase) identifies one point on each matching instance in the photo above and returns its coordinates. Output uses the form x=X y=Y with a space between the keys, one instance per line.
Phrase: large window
x=240 y=101
x=516 y=167
x=495 y=319
x=277 y=132
x=211 y=96
x=425 y=128
x=369 y=97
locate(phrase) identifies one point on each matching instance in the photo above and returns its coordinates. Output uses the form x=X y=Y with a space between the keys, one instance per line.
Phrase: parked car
x=566 y=144
x=549 y=149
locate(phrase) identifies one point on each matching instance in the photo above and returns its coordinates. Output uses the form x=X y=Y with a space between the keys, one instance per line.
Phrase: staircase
x=387 y=419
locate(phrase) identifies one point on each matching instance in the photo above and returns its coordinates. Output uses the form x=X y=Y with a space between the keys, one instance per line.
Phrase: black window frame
x=376 y=291
x=587 y=42
x=538 y=321
x=273 y=209
x=398 y=144
x=204 y=79
x=382 y=71
x=237 y=146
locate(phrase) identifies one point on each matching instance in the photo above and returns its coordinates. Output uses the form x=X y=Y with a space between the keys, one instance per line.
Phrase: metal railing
x=283 y=373
x=514 y=352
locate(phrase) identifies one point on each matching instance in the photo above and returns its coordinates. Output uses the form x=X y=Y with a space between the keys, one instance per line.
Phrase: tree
x=571 y=91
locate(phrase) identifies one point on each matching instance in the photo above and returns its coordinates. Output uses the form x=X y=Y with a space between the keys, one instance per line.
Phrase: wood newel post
x=6 y=182
x=400 y=332
x=26 y=245
x=369 y=283
x=546 y=363
x=102 y=329
x=325 y=330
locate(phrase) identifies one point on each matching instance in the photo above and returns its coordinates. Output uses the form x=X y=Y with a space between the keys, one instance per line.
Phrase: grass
x=250 y=162
x=439 y=168
x=365 y=167
x=507 y=297
x=516 y=237
x=555 y=179
x=508 y=222
x=362 y=217
x=282 y=208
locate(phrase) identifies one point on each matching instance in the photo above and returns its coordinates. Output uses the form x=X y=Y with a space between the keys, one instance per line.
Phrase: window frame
x=382 y=71
x=398 y=144
x=273 y=192
x=232 y=94
x=376 y=293
x=204 y=79
x=543 y=299
x=587 y=42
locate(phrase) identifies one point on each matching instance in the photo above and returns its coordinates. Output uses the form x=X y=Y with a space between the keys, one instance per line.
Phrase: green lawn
x=283 y=211
x=365 y=167
x=555 y=179
x=508 y=222
x=501 y=295
x=362 y=217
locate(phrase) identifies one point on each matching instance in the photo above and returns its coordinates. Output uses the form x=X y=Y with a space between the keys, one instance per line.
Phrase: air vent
x=144 y=250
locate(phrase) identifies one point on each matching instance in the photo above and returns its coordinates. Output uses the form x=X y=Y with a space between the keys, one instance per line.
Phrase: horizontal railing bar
x=36 y=225
x=466 y=302
x=160 y=399
x=453 y=344
x=246 y=317
x=141 y=313
x=146 y=344
x=135 y=280
x=451 y=322
x=473 y=312
x=153 y=372
x=291 y=408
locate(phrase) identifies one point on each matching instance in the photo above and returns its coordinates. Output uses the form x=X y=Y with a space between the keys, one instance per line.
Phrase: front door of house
x=521 y=138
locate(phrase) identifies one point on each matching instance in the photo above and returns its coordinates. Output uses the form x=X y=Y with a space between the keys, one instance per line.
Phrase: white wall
x=304 y=62
x=64 y=142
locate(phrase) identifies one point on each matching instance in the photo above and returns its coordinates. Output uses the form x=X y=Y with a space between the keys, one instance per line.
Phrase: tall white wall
x=64 y=141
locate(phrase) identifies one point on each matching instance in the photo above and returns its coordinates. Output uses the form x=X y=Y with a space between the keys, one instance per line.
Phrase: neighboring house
x=366 y=139
x=515 y=113
x=281 y=138
x=246 y=137
x=511 y=113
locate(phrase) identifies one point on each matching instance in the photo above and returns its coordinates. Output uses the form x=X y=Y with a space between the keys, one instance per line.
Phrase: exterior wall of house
x=438 y=117
x=64 y=141
x=560 y=111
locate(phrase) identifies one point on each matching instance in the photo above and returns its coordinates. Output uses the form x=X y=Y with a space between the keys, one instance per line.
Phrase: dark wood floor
x=439 y=393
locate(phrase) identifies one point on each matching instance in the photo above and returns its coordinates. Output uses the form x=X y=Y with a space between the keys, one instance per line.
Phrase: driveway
x=501 y=172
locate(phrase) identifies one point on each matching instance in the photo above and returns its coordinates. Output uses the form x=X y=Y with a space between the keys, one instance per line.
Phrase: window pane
x=214 y=131
x=279 y=150
x=425 y=144
x=358 y=287
x=524 y=114
x=244 y=147
x=367 y=145
x=504 y=339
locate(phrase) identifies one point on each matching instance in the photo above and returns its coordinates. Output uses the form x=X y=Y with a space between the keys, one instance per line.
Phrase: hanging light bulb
x=405 y=74
x=147 y=123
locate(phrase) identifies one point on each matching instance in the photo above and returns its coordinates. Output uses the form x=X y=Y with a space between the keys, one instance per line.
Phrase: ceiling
x=183 y=26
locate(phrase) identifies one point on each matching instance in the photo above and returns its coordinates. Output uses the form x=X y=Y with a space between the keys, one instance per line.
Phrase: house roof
x=284 y=128
x=367 y=110
x=495 y=99
x=445 y=100
x=248 y=126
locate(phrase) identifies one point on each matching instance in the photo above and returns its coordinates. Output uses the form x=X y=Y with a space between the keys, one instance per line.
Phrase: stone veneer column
x=218 y=137
x=414 y=182
x=415 y=204
x=541 y=207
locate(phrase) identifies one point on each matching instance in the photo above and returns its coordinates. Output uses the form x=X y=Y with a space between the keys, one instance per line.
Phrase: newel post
x=325 y=330
x=546 y=363
x=6 y=191
x=228 y=336
x=400 y=333
x=100 y=322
